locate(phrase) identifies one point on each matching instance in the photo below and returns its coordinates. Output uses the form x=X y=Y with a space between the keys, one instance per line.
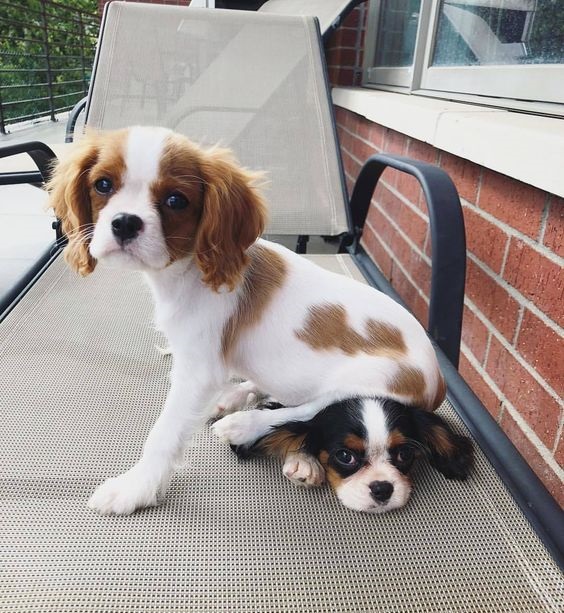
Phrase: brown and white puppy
x=229 y=304
x=365 y=449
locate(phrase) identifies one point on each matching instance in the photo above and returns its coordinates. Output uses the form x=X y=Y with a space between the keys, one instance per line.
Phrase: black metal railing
x=46 y=55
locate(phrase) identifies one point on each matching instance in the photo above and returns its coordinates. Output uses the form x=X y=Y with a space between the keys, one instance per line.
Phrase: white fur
x=192 y=316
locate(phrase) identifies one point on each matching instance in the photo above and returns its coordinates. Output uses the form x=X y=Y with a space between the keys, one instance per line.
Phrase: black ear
x=450 y=453
x=289 y=437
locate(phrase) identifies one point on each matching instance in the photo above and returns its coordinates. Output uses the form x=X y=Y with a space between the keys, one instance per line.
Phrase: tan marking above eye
x=395 y=439
x=351 y=441
x=326 y=327
x=264 y=275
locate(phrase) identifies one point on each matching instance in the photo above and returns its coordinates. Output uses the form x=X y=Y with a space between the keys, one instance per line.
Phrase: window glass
x=494 y=32
x=397 y=31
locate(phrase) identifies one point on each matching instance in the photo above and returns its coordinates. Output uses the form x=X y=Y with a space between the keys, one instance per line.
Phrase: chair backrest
x=328 y=12
x=253 y=82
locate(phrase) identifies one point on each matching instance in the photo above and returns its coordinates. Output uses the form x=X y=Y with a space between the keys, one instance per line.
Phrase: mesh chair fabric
x=82 y=383
x=253 y=82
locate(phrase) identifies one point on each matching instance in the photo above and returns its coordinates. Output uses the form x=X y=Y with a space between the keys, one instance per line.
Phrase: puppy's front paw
x=303 y=469
x=124 y=494
x=240 y=428
x=233 y=400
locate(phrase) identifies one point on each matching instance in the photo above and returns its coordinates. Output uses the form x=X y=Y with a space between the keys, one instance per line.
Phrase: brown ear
x=233 y=217
x=69 y=197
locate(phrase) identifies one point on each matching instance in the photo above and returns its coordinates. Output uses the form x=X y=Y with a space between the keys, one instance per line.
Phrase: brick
x=361 y=150
x=412 y=224
x=374 y=248
x=422 y=151
x=559 y=453
x=404 y=287
x=410 y=259
x=341 y=56
x=517 y=204
x=480 y=387
x=492 y=300
x=534 y=403
x=474 y=335
x=526 y=448
x=410 y=188
x=352 y=167
x=484 y=239
x=464 y=174
x=539 y=279
x=554 y=233
x=543 y=348
x=377 y=135
x=395 y=142
x=353 y=19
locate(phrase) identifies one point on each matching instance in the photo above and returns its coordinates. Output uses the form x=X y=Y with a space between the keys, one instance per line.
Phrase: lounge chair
x=83 y=381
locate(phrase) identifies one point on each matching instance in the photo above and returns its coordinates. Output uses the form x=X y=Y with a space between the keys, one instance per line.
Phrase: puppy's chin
x=129 y=258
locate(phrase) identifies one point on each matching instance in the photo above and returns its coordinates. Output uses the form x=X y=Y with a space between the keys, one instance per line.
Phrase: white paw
x=303 y=469
x=123 y=494
x=232 y=400
x=240 y=428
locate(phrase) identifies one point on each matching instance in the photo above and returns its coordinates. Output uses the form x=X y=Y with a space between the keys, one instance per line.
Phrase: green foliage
x=44 y=42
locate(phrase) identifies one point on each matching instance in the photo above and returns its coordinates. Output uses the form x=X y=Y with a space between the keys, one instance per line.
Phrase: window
x=508 y=51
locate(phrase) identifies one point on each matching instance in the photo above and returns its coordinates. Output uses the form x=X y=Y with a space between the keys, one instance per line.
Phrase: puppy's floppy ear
x=450 y=453
x=233 y=217
x=70 y=199
x=287 y=438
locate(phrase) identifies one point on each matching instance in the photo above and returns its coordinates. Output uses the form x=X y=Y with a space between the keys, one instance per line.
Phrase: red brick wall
x=344 y=50
x=512 y=352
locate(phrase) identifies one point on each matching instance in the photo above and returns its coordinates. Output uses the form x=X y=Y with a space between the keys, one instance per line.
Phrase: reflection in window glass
x=397 y=30
x=482 y=32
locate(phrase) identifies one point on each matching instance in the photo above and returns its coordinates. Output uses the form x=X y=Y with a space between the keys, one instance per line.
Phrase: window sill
x=529 y=148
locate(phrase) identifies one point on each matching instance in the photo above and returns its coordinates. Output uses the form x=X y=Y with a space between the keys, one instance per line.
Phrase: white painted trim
x=529 y=148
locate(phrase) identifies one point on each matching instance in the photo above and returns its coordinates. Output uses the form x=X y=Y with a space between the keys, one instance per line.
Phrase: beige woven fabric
x=82 y=383
x=253 y=82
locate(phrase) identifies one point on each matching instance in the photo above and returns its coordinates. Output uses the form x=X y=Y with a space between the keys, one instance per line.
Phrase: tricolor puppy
x=229 y=304
x=365 y=448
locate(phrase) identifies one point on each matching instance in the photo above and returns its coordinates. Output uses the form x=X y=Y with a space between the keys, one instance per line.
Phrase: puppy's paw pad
x=122 y=495
x=303 y=469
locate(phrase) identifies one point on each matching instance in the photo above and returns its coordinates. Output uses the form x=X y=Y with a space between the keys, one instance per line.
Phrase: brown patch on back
x=326 y=328
x=395 y=439
x=355 y=443
x=409 y=383
x=263 y=277
x=179 y=173
x=440 y=394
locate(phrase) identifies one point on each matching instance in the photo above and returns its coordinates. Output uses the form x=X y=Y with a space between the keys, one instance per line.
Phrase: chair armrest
x=42 y=155
x=448 y=239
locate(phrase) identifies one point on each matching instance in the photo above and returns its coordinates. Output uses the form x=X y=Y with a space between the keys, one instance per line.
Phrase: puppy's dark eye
x=176 y=201
x=405 y=454
x=346 y=458
x=103 y=186
x=402 y=457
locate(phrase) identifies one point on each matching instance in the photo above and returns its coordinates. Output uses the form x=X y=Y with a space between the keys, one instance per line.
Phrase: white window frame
x=535 y=88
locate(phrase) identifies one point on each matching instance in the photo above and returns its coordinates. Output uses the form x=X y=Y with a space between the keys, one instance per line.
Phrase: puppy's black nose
x=381 y=490
x=126 y=227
